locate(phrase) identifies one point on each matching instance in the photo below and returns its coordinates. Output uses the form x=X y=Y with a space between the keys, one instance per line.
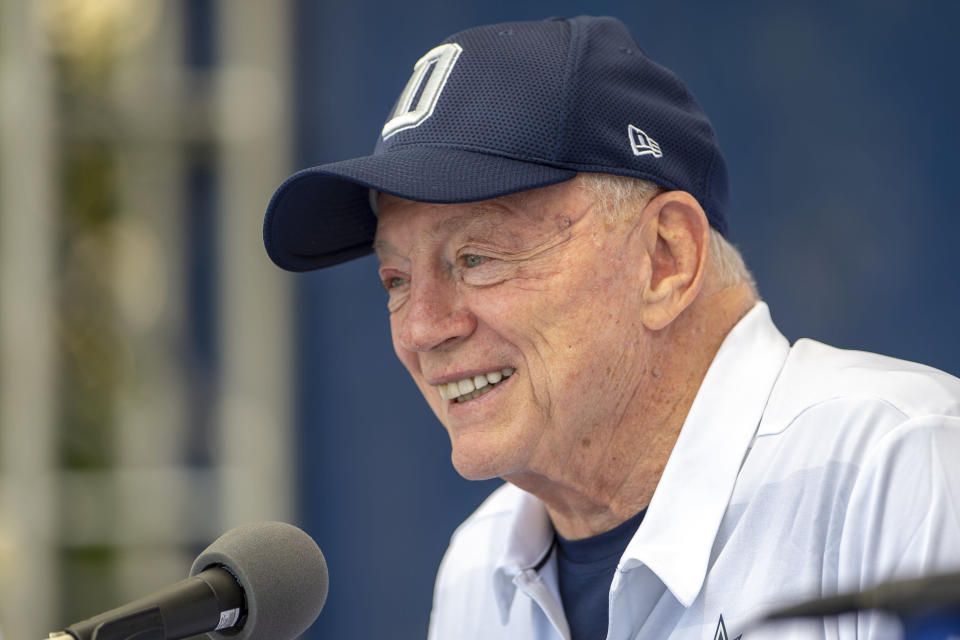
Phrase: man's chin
x=478 y=462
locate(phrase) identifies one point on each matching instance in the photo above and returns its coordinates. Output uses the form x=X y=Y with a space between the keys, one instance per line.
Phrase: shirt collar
x=529 y=539
x=684 y=515
x=678 y=532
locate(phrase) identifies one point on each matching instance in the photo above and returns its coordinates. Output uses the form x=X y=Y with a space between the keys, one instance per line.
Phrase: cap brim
x=321 y=216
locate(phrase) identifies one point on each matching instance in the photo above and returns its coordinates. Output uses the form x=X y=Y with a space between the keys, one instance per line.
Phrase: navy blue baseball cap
x=499 y=109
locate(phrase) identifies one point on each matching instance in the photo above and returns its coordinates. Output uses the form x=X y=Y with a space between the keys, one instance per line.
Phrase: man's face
x=537 y=290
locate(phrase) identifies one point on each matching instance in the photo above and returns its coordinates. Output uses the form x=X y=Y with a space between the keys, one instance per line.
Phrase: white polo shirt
x=799 y=473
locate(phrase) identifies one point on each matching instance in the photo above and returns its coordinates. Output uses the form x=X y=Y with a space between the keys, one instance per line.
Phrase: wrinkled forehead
x=402 y=223
x=515 y=215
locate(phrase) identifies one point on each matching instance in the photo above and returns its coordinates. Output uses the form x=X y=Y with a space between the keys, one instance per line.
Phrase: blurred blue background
x=161 y=381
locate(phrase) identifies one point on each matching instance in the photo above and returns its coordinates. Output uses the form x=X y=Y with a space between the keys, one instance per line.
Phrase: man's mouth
x=470 y=388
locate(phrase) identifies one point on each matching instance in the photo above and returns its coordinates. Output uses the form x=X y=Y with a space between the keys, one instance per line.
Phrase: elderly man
x=548 y=207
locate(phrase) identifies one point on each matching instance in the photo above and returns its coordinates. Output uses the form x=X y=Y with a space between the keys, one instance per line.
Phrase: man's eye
x=393 y=283
x=471 y=260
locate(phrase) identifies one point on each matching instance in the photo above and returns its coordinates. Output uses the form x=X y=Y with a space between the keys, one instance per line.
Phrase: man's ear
x=677 y=236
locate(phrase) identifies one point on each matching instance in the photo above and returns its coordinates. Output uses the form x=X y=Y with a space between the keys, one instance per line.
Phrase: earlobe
x=677 y=238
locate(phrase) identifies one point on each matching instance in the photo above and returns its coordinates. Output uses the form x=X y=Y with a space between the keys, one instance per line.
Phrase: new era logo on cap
x=642 y=144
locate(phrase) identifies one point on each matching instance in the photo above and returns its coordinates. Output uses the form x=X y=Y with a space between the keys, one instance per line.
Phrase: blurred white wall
x=119 y=457
x=28 y=521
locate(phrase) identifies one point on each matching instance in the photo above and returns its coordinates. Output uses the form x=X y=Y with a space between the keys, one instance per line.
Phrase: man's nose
x=434 y=316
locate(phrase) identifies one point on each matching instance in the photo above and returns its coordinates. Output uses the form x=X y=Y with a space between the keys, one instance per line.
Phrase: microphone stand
x=928 y=608
x=910 y=597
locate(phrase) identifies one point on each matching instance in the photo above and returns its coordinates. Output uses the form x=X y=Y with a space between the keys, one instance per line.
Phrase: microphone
x=260 y=580
x=902 y=597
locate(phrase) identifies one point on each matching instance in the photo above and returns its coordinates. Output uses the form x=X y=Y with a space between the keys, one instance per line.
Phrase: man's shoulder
x=468 y=593
x=821 y=379
x=489 y=518
x=510 y=530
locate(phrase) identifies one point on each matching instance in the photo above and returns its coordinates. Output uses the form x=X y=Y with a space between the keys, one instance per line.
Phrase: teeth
x=452 y=390
x=474 y=394
x=470 y=388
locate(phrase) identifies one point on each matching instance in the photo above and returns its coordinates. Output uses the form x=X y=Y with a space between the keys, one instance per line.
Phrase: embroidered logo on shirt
x=721 y=633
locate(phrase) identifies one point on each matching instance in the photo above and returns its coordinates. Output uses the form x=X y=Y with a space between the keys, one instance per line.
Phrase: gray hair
x=616 y=194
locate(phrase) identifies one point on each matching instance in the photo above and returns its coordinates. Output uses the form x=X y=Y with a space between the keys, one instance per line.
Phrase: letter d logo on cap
x=420 y=96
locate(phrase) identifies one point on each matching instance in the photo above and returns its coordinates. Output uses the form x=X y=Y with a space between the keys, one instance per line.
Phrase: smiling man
x=548 y=207
x=547 y=334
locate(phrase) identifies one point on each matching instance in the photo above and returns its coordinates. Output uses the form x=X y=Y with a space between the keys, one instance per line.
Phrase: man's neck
x=604 y=484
